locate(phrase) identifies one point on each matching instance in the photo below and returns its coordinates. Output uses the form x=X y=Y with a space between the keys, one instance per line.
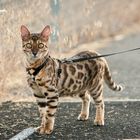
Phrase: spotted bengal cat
x=50 y=78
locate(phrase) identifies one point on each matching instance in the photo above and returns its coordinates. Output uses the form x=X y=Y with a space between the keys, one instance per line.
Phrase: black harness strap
x=37 y=70
x=94 y=57
x=59 y=70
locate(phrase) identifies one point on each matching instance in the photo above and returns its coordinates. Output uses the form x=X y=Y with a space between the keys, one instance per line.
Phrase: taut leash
x=94 y=57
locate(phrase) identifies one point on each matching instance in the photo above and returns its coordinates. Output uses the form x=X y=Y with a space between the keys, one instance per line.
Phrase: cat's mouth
x=33 y=59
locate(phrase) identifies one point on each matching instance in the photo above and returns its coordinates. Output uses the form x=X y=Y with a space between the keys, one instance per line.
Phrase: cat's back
x=86 y=55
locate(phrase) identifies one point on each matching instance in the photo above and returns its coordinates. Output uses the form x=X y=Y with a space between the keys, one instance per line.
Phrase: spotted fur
x=49 y=79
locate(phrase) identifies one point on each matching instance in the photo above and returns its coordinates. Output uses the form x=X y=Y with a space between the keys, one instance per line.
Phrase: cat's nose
x=34 y=53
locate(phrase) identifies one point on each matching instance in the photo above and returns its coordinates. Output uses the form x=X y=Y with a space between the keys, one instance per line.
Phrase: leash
x=37 y=70
x=95 y=57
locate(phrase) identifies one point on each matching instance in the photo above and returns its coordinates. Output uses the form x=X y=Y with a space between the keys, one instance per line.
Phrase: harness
x=37 y=70
x=68 y=61
x=95 y=57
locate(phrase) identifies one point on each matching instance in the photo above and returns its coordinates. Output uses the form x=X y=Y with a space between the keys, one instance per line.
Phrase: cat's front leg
x=33 y=85
x=47 y=103
x=47 y=111
x=41 y=101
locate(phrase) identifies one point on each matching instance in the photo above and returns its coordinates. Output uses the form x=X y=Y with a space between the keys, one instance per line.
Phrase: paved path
x=122 y=121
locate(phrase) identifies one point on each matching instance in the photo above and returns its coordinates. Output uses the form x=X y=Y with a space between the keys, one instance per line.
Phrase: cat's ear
x=46 y=32
x=24 y=32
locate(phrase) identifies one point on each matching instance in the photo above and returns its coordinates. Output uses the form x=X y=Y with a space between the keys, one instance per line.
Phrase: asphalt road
x=122 y=121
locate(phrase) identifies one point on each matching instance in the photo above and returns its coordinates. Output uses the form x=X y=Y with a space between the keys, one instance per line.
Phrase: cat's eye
x=40 y=45
x=28 y=45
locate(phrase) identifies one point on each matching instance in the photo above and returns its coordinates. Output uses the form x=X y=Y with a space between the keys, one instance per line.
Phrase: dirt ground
x=125 y=70
x=82 y=25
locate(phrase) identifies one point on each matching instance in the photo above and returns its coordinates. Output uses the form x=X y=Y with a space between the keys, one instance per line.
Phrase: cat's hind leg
x=85 y=106
x=97 y=96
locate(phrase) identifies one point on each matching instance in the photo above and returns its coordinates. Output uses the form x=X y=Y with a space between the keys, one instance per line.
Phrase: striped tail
x=109 y=81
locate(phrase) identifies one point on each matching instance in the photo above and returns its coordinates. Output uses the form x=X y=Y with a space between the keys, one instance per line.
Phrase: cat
x=50 y=78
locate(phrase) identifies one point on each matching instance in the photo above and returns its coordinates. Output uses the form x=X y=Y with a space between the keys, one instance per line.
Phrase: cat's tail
x=109 y=81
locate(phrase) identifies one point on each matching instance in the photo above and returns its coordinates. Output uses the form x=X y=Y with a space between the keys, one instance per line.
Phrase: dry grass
x=79 y=22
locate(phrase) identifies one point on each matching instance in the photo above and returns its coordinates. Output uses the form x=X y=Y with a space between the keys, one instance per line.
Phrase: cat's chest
x=43 y=80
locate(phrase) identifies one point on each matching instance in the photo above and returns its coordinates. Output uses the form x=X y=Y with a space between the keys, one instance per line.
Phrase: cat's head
x=34 y=45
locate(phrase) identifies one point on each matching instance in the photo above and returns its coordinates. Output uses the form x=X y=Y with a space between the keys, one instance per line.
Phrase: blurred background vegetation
x=73 y=23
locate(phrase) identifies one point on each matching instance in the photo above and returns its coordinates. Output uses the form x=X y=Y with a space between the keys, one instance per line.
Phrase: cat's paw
x=48 y=131
x=83 y=117
x=40 y=130
x=44 y=130
x=99 y=122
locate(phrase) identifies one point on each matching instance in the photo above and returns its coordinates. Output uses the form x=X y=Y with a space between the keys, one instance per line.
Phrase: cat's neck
x=38 y=62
